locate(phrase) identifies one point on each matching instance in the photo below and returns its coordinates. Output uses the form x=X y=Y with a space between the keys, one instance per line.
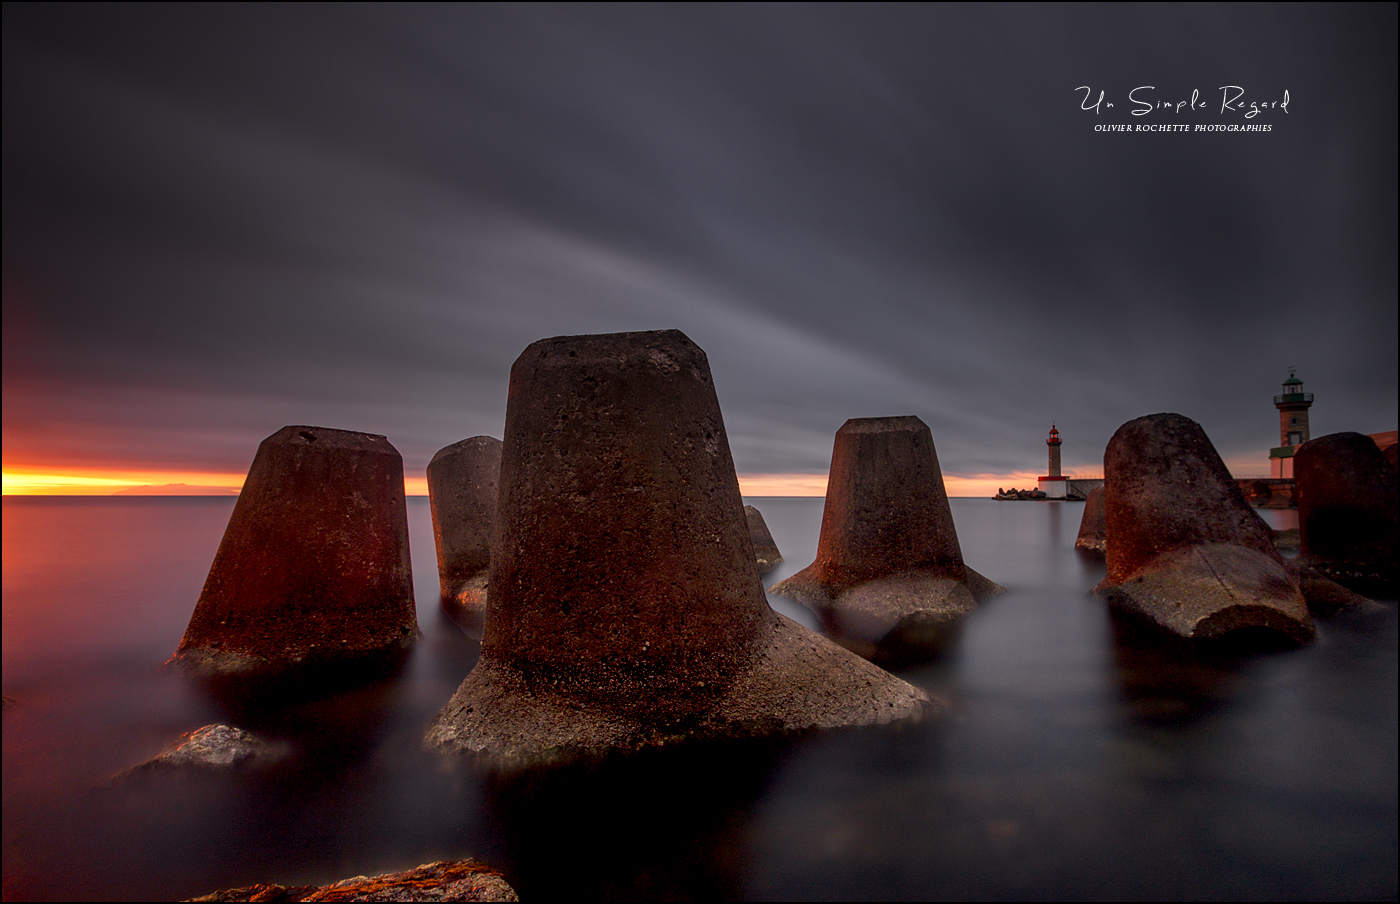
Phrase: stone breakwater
x=313 y=569
x=462 y=482
x=1184 y=549
x=889 y=581
x=624 y=607
x=1348 y=512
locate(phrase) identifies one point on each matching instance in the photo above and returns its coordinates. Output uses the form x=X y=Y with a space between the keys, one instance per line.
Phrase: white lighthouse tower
x=1053 y=485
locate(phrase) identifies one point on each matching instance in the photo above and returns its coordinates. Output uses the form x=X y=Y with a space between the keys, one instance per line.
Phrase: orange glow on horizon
x=41 y=481
x=815 y=484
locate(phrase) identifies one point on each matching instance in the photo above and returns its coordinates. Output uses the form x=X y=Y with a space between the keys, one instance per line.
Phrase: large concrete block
x=1092 y=525
x=462 y=482
x=625 y=607
x=1347 y=512
x=314 y=566
x=1185 y=550
x=889 y=580
x=764 y=549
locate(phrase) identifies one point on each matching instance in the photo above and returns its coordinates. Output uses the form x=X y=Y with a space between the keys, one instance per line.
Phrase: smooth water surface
x=1076 y=757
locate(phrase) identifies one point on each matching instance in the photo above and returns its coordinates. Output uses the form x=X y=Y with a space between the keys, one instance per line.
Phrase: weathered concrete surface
x=889 y=580
x=1185 y=550
x=624 y=606
x=1347 y=512
x=462 y=481
x=1093 y=535
x=313 y=567
x=213 y=748
x=446 y=880
x=765 y=551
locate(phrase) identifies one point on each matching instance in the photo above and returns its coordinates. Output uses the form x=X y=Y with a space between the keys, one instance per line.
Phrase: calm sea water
x=1076 y=758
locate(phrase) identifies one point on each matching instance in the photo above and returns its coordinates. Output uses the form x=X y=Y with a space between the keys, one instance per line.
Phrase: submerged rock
x=213 y=748
x=1347 y=512
x=313 y=567
x=446 y=880
x=1324 y=595
x=1093 y=535
x=765 y=551
x=889 y=580
x=462 y=482
x=1185 y=550
x=625 y=606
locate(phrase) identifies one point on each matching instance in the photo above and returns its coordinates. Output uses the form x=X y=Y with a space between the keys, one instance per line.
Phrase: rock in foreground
x=446 y=880
x=313 y=567
x=1348 y=512
x=624 y=606
x=889 y=580
x=213 y=748
x=1185 y=550
x=462 y=482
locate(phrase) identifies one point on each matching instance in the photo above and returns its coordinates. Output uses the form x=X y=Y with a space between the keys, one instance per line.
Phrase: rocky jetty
x=1347 y=512
x=1093 y=535
x=625 y=607
x=462 y=493
x=1185 y=550
x=1022 y=495
x=764 y=549
x=313 y=567
x=889 y=580
x=213 y=748
x=446 y=880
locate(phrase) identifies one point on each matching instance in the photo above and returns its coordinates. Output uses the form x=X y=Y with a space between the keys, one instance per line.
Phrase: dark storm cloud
x=218 y=221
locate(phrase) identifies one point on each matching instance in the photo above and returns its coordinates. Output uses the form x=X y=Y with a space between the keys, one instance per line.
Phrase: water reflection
x=1075 y=759
x=669 y=824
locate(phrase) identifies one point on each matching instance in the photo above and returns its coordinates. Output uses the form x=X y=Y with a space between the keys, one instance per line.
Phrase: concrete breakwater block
x=1093 y=537
x=313 y=567
x=764 y=549
x=889 y=580
x=1347 y=512
x=1185 y=550
x=624 y=605
x=462 y=482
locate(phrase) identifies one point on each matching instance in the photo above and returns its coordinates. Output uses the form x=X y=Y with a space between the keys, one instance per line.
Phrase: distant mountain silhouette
x=176 y=489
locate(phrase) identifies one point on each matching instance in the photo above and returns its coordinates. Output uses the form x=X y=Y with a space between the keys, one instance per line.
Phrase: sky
x=221 y=220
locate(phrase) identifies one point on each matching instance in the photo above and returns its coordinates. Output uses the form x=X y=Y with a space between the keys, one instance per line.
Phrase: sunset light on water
x=40 y=482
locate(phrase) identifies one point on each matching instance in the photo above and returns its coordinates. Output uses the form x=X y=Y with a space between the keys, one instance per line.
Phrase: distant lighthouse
x=1053 y=485
x=1292 y=405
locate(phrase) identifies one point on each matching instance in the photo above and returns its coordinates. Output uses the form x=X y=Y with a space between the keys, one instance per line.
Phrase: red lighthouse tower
x=1053 y=485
